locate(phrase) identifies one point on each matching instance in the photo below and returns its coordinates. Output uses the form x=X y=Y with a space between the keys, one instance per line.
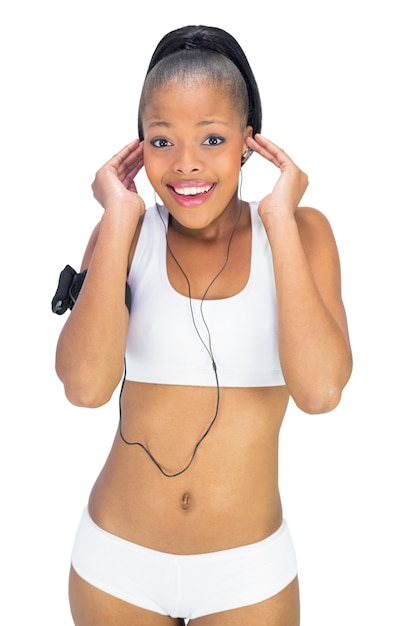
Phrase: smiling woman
x=235 y=308
x=196 y=163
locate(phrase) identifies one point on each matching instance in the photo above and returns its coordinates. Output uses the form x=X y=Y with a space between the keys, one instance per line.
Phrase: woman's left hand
x=291 y=185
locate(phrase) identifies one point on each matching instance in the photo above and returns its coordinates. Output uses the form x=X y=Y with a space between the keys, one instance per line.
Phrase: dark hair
x=205 y=49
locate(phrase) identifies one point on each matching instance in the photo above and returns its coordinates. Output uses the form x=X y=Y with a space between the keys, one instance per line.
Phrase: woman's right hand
x=114 y=187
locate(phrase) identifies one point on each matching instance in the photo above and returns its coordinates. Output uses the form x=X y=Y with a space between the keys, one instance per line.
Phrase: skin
x=223 y=500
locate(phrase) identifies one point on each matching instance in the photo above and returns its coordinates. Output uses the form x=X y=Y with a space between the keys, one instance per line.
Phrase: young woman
x=229 y=309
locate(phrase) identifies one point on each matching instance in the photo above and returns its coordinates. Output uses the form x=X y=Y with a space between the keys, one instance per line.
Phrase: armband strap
x=69 y=287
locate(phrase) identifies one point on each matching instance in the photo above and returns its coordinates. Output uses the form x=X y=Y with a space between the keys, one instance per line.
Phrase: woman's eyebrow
x=214 y=121
x=162 y=124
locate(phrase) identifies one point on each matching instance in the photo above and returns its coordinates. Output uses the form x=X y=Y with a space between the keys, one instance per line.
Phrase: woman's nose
x=186 y=161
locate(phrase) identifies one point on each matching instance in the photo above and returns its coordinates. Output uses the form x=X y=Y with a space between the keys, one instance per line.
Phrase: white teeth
x=192 y=191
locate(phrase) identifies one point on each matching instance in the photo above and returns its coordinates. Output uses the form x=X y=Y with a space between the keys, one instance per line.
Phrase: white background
x=338 y=83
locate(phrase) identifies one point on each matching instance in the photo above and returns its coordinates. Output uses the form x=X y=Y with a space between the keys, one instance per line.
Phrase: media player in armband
x=69 y=287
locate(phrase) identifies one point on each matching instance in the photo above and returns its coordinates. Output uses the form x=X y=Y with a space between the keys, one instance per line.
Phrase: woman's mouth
x=192 y=191
x=191 y=195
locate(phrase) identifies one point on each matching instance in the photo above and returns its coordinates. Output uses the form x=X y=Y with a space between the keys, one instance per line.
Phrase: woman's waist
x=204 y=509
x=193 y=532
x=157 y=487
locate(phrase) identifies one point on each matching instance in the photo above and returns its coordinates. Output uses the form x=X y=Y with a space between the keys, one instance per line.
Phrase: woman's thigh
x=282 y=609
x=92 y=607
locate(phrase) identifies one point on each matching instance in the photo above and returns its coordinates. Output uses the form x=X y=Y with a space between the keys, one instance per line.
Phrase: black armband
x=69 y=287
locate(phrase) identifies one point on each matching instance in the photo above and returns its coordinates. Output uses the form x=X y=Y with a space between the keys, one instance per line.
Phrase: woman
x=229 y=309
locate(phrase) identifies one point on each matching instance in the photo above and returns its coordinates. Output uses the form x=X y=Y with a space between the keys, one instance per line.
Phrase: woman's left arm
x=314 y=345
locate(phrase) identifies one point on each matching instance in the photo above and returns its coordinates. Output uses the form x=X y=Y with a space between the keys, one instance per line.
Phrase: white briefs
x=185 y=586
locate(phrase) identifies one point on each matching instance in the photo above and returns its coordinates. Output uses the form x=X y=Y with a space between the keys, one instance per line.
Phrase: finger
x=130 y=157
x=133 y=161
x=120 y=157
x=268 y=150
x=132 y=169
x=128 y=181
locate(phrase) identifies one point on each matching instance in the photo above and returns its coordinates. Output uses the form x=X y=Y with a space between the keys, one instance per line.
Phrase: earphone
x=246 y=155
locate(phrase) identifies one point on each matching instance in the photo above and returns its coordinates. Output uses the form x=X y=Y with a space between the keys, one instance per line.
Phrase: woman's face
x=194 y=140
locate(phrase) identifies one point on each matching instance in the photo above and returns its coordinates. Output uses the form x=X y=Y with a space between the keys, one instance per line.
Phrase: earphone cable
x=207 y=347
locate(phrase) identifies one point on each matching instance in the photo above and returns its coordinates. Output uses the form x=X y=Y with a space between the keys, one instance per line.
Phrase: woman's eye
x=160 y=142
x=213 y=140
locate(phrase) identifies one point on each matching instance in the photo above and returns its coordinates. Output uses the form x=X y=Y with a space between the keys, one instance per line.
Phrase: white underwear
x=185 y=586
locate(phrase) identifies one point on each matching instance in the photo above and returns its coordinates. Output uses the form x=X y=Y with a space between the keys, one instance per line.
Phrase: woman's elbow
x=322 y=394
x=318 y=401
x=322 y=404
x=86 y=397
x=86 y=394
x=86 y=400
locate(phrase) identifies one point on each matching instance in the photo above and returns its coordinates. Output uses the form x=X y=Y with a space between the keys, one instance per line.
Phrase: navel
x=185 y=501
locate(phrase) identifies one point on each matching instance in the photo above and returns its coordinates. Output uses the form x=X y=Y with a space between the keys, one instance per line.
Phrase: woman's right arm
x=91 y=346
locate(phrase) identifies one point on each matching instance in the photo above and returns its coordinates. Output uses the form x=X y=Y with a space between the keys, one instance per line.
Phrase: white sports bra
x=162 y=342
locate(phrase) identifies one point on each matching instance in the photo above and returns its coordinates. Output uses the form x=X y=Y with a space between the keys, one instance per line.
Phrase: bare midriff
x=229 y=495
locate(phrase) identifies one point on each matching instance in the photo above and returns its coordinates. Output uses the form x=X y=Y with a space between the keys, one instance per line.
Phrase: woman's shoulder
x=316 y=234
x=310 y=215
x=311 y=222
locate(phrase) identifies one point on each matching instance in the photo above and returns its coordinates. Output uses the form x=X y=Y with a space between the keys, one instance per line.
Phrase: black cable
x=207 y=347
